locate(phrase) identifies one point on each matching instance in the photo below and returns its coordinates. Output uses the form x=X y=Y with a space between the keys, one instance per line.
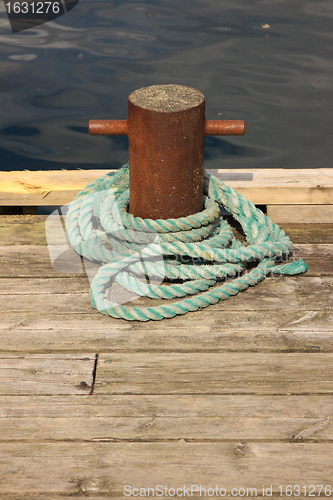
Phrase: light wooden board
x=163 y=418
x=23 y=496
x=91 y=496
x=235 y=399
x=22 y=229
x=55 y=315
x=284 y=293
x=211 y=373
x=39 y=188
x=46 y=374
x=303 y=214
x=254 y=331
x=292 y=330
x=88 y=488
x=33 y=261
x=105 y=468
x=110 y=429
x=314 y=407
x=261 y=186
x=308 y=233
x=30 y=230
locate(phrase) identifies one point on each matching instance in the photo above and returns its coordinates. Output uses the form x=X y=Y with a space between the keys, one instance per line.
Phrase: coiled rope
x=100 y=229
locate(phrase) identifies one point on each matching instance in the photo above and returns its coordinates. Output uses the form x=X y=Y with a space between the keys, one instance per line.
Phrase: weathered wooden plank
x=105 y=468
x=41 y=316
x=317 y=257
x=44 y=286
x=268 y=320
x=283 y=294
x=88 y=487
x=293 y=330
x=302 y=214
x=104 y=429
x=23 y=496
x=308 y=233
x=261 y=186
x=214 y=373
x=22 y=230
x=33 y=261
x=158 y=418
x=91 y=496
x=304 y=331
x=300 y=288
x=30 y=230
x=46 y=374
x=311 y=407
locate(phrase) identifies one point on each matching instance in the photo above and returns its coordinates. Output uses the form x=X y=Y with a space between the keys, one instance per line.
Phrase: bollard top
x=167 y=98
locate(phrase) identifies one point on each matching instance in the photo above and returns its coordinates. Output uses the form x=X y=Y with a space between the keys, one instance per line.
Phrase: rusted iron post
x=166 y=127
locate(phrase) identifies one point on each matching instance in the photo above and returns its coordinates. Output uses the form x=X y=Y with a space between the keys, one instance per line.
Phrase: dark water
x=84 y=65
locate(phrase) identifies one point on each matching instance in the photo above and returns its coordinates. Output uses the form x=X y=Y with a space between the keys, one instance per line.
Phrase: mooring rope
x=199 y=250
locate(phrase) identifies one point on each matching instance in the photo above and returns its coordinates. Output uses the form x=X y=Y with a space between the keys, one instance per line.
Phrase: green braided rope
x=100 y=230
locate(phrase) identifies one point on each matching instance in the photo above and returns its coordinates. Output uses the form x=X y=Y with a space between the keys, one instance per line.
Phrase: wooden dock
x=238 y=396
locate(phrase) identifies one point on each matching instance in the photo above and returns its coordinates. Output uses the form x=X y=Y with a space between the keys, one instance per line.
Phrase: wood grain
x=212 y=398
x=261 y=186
x=33 y=261
x=46 y=374
x=55 y=315
x=105 y=468
x=211 y=373
x=254 y=331
x=302 y=214
x=30 y=230
x=265 y=406
x=163 y=418
x=22 y=229
x=284 y=293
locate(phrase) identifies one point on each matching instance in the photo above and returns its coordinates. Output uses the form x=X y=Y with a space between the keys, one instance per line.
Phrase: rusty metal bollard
x=166 y=127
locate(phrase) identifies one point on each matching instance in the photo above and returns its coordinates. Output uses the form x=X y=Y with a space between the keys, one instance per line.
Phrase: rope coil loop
x=199 y=249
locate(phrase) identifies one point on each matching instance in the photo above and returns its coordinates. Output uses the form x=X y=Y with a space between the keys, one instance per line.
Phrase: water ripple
x=267 y=61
